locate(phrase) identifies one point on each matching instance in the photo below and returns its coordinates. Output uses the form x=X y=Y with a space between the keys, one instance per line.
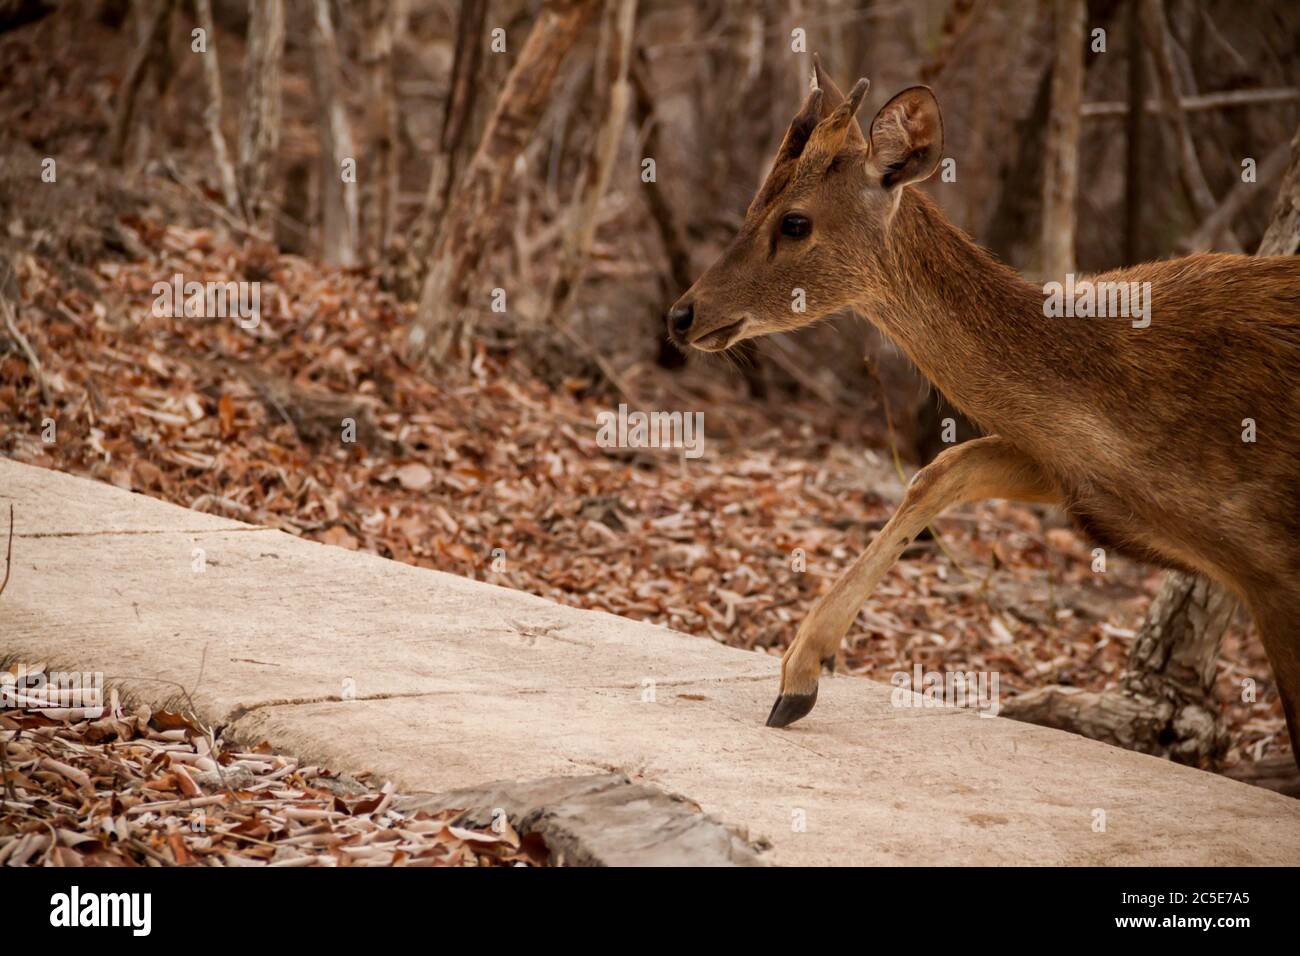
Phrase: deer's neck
x=967 y=321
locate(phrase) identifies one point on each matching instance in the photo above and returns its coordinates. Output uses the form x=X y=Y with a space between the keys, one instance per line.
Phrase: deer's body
x=1140 y=430
x=1140 y=433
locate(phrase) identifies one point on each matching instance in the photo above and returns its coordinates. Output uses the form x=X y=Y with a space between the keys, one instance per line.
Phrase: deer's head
x=813 y=238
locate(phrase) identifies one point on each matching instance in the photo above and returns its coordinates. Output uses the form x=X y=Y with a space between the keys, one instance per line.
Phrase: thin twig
x=233 y=220
x=603 y=364
x=194 y=713
x=9 y=551
x=10 y=792
x=1200 y=101
x=16 y=334
x=150 y=852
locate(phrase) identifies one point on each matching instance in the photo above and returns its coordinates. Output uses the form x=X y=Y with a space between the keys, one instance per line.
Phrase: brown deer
x=1139 y=431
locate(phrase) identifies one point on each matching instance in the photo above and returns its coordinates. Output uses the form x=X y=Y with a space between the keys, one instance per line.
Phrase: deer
x=1136 y=429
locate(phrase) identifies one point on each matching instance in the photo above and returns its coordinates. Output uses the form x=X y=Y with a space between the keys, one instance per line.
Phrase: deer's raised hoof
x=790 y=707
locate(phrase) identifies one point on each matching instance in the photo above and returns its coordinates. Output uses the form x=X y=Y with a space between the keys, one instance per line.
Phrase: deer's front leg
x=984 y=468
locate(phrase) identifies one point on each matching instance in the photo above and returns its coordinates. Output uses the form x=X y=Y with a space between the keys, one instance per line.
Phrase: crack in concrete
x=141 y=531
x=691 y=682
x=530 y=633
x=243 y=710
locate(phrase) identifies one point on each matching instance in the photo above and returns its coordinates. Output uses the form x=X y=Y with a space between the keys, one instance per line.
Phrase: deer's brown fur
x=1136 y=432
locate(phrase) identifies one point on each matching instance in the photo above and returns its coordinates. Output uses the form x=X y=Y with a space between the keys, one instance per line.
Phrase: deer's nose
x=680 y=318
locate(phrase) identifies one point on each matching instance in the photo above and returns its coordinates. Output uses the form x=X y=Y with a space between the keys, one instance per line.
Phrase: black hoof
x=789 y=708
x=828 y=664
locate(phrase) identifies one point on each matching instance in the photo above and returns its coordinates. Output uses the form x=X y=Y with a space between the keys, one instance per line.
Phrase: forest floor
x=152 y=788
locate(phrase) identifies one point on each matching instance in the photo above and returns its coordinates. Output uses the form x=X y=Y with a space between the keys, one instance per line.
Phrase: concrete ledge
x=439 y=683
x=601 y=820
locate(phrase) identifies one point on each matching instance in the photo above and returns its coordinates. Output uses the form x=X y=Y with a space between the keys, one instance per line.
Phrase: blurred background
x=467 y=219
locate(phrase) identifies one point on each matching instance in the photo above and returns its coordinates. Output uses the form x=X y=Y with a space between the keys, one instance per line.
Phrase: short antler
x=832 y=133
x=856 y=95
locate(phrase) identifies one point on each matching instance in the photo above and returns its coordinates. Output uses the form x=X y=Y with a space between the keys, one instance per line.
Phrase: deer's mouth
x=719 y=339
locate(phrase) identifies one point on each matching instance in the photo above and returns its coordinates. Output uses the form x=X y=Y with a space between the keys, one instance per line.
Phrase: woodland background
x=521 y=169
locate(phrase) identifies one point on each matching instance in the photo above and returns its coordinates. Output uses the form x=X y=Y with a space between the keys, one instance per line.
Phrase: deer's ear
x=907 y=138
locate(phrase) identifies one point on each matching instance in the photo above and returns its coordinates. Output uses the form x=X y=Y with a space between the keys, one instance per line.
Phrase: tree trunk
x=609 y=78
x=1282 y=237
x=1164 y=704
x=212 y=110
x=956 y=21
x=1061 y=173
x=1210 y=232
x=338 y=192
x=1021 y=187
x=457 y=114
x=259 y=134
x=1160 y=44
x=1134 y=125
x=661 y=212
x=381 y=94
x=152 y=33
x=445 y=315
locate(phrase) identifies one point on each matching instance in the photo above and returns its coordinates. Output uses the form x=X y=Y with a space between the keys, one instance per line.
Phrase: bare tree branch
x=1061 y=163
x=137 y=66
x=213 y=108
x=338 y=192
x=610 y=77
x=259 y=133
x=1199 y=102
x=444 y=314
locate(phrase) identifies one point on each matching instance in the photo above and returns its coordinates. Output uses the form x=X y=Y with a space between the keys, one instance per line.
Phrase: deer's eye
x=795 y=226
